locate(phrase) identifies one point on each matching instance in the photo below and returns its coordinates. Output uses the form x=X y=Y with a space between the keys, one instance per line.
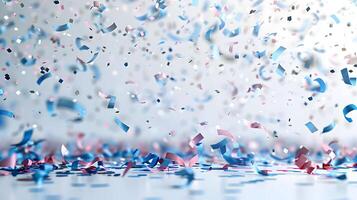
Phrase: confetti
x=256 y=29
x=280 y=71
x=28 y=61
x=62 y=27
x=196 y=140
x=226 y=133
x=111 y=102
x=335 y=18
x=322 y=86
x=25 y=139
x=109 y=28
x=312 y=128
x=276 y=54
x=123 y=126
x=329 y=127
x=174 y=157
x=232 y=33
x=346 y=77
x=155 y=13
x=7 y=113
x=347 y=109
x=50 y=105
x=79 y=44
x=93 y=57
x=43 y=77
x=65 y=103
x=9 y=162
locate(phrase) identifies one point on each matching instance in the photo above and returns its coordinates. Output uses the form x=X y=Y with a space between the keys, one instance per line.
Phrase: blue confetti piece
x=259 y=54
x=7 y=113
x=76 y=68
x=154 y=13
x=1 y=92
x=322 y=86
x=234 y=161
x=261 y=74
x=220 y=145
x=222 y=24
x=79 y=45
x=229 y=33
x=257 y=3
x=28 y=61
x=96 y=72
x=2 y=42
x=25 y=139
x=40 y=175
x=277 y=53
x=123 y=126
x=256 y=29
x=329 y=127
x=194 y=2
x=347 y=109
x=196 y=33
x=193 y=37
x=174 y=37
x=142 y=17
x=346 y=78
x=341 y=177
x=63 y=27
x=280 y=71
x=50 y=105
x=187 y=173
x=335 y=18
x=65 y=103
x=109 y=28
x=101 y=8
x=311 y=127
x=43 y=77
x=169 y=57
x=112 y=100
x=210 y=31
x=93 y=58
x=183 y=17
x=154 y=160
x=215 y=51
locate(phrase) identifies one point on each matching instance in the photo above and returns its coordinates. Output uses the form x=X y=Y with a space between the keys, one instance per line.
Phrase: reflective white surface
x=215 y=184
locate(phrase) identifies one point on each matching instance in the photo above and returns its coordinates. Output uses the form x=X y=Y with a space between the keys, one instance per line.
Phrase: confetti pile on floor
x=251 y=99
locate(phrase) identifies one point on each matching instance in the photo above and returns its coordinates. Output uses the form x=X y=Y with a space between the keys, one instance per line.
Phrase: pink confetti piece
x=9 y=161
x=226 y=133
x=197 y=139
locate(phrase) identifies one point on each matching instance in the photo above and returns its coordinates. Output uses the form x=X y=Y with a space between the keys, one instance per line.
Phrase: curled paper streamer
x=43 y=77
x=7 y=113
x=346 y=78
x=110 y=28
x=25 y=139
x=64 y=103
x=347 y=109
x=329 y=127
x=79 y=44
